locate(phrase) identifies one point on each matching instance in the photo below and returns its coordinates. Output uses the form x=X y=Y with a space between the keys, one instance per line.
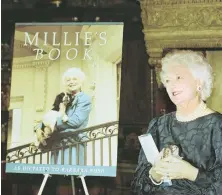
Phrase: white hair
x=198 y=66
x=74 y=72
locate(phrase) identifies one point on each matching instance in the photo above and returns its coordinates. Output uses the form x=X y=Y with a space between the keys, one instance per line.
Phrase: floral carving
x=187 y=44
x=172 y=2
x=192 y=18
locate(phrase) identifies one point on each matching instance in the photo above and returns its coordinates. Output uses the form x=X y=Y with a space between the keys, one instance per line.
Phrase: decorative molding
x=155 y=55
x=180 y=25
x=41 y=83
x=41 y=64
x=39 y=109
x=176 y=2
x=20 y=44
x=189 y=43
x=154 y=61
x=158 y=79
x=33 y=64
x=181 y=18
x=16 y=99
x=16 y=102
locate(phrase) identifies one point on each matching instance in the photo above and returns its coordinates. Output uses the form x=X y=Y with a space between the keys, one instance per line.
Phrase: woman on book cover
x=70 y=112
x=194 y=131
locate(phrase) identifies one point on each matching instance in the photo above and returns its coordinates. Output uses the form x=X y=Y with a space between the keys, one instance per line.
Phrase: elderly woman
x=69 y=117
x=194 y=129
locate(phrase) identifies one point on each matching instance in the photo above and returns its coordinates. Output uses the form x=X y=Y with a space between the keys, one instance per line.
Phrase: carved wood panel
x=180 y=24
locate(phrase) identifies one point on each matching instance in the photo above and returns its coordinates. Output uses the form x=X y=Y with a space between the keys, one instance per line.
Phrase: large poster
x=64 y=99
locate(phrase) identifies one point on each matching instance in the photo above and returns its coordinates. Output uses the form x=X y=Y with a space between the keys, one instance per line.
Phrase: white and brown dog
x=49 y=120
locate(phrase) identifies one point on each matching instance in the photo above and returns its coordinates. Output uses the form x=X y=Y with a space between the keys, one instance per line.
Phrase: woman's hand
x=156 y=176
x=176 y=168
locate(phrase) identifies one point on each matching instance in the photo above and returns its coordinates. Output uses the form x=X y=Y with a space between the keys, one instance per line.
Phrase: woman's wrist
x=154 y=181
x=154 y=177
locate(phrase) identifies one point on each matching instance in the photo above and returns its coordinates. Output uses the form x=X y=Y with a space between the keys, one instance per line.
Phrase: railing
x=97 y=145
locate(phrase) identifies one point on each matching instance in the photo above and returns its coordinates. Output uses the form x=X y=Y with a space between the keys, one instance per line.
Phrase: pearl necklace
x=201 y=110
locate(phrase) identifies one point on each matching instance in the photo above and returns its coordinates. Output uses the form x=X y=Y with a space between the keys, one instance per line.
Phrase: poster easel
x=46 y=176
x=43 y=183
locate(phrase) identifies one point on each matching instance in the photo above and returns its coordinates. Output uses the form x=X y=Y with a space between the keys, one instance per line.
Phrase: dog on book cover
x=48 y=128
x=70 y=112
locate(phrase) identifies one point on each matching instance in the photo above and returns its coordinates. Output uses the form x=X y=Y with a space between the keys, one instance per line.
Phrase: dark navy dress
x=200 y=143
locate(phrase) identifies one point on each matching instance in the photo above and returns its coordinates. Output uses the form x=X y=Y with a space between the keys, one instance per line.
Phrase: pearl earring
x=198 y=88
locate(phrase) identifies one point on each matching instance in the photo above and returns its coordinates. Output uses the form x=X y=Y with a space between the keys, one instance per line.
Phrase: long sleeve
x=79 y=115
x=214 y=173
x=141 y=183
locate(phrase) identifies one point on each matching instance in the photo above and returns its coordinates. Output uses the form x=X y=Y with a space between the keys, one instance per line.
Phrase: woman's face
x=73 y=84
x=180 y=84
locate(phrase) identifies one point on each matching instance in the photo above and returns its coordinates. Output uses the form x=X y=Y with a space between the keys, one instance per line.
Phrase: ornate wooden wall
x=179 y=24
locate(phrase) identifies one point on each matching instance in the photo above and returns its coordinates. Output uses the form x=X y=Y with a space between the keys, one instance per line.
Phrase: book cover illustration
x=64 y=98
